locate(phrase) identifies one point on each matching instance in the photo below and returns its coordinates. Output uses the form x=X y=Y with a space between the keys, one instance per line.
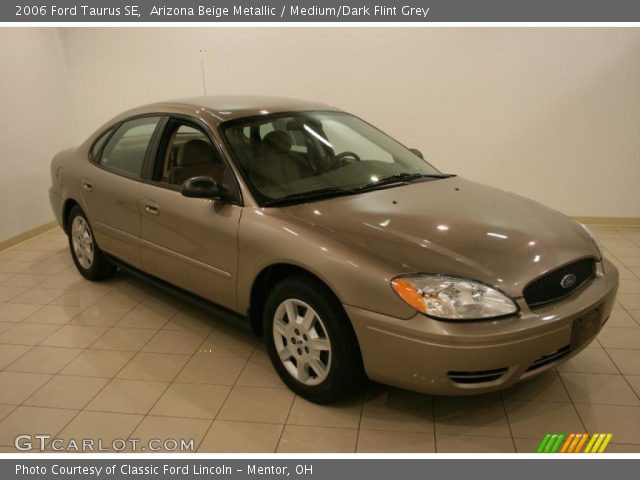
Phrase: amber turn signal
x=409 y=294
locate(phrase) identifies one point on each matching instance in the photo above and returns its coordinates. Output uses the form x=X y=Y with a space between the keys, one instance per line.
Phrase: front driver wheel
x=310 y=341
x=89 y=259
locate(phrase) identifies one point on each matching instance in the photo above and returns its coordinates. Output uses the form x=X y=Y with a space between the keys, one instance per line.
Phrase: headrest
x=277 y=141
x=195 y=152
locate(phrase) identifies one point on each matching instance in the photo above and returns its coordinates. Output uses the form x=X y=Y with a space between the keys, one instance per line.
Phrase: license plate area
x=586 y=327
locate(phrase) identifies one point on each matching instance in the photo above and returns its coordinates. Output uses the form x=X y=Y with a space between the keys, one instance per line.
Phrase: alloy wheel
x=82 y=242
x=302 y=342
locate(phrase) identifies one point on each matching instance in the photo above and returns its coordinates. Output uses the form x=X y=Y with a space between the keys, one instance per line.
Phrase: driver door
x=190 y=242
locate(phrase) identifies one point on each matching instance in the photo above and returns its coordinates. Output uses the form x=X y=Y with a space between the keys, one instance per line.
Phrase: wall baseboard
x=610 y=221
x=34 y=232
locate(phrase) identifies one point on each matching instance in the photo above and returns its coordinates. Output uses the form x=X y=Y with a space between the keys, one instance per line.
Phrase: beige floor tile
x=16 y=266
x=142 y=317
x=32 y=420
x=482 y=415
x=629 y=260
x=27 y=333
x=635 y=314
x=161 y=367
x=98 y=363
x=169 y=341
x=187 y=432
x=447 y=443
x=10 y=353
x=193 y=321
x=4 y=326
x=387 y=408
x=622 y=421
x=49 y=267
x=66 y=280
x=161 y=304
x=120 y=298
x=383 y=441
x=254 y=404
x=54 y=314
x=634 y=381
x=24 y=280
x=590 y=360
x=629 y=301
x=241 y=437
x=66 y=392
x=16 y=312
x=620 y=338
x=621 y=319
x=527 y=445
x=622 y=448
x=599 y=388
x=628 y=361
x=259 y=372
x=299 y=439
x=99 y=316
x=101 y=426
x=229 y=340
x=10 y=293
x=128 y=396
x=212 y=369
x=6 y=410
x=80 y=298
x=534 y=419
x=44 y=360
x=124 y=339
x=38 y=296
x=629 y=285
x=344 y=414
x=191 y=400
x=74 y=336
x=545 y=387
x=10 y=254
x=16 y=387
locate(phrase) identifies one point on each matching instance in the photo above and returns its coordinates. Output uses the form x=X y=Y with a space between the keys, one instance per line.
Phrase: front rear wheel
x=89 y=259
x=310 y=341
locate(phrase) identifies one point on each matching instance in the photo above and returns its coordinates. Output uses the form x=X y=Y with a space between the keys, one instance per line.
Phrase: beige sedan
x=349 y=253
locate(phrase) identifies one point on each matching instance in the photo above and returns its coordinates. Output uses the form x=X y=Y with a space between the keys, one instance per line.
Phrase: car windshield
x=308 y=155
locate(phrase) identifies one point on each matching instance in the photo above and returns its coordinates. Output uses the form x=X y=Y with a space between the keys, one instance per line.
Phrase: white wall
x=553 y=114
x=34 y=124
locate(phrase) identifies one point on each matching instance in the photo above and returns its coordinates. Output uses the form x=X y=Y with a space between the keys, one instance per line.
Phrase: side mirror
x=417 y=152
x=203 y=187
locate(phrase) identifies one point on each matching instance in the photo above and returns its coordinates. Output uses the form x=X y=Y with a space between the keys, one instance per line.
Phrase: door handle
x=151 y=208
x=87 y=186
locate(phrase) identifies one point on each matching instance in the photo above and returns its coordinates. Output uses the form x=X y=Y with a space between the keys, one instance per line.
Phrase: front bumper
x=461 y=358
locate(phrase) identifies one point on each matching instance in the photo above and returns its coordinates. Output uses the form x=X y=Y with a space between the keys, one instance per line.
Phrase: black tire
x=345 y=370
x=100 y=268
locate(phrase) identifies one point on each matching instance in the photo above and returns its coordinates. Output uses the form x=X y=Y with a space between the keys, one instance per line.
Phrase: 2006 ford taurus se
x=348 y=252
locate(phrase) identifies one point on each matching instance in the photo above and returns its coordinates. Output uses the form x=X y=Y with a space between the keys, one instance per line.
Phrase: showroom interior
x=551 y=114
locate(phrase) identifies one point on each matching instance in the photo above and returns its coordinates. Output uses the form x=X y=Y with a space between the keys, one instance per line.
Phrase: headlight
x=452 y=298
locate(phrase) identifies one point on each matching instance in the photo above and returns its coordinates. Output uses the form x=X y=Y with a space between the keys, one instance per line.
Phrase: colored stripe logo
x=574 y=443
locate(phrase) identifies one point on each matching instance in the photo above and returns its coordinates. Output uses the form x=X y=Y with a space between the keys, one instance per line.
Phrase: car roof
x=228 y=107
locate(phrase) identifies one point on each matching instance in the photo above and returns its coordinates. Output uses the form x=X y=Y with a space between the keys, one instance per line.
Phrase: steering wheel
x=344 y=155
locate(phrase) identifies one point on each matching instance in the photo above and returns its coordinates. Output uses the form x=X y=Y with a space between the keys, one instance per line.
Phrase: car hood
x=453 y=226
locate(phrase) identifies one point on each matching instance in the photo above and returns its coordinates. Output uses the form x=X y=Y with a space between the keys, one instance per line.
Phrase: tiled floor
x=122 y=360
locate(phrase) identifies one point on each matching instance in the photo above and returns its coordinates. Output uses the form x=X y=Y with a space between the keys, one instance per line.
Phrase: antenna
x=204 y=76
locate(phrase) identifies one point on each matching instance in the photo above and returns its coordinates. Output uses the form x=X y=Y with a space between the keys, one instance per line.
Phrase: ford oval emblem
x=568 y=281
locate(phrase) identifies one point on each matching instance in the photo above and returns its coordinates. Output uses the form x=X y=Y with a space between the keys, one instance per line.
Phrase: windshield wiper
x=403 y=177
x=311 y=195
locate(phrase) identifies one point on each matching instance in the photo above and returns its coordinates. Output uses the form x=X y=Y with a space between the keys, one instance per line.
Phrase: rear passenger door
x=190 y=242
x=111 y=187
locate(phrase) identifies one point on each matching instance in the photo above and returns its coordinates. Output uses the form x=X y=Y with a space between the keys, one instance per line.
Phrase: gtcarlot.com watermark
x=42 y=442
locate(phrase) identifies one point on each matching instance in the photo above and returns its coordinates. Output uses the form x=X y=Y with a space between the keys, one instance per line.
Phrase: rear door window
x=126 y=150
